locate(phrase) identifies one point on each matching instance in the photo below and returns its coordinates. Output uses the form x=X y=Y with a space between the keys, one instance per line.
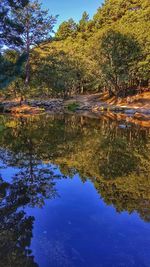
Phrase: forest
x=109 y=52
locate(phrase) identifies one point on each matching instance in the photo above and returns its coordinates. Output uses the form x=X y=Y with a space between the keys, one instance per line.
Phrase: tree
x=75 y=61
x=120 y=54
x=66 y=29
x=11 y=65
x=38 y=26
x=83 y=22
x=10 y=28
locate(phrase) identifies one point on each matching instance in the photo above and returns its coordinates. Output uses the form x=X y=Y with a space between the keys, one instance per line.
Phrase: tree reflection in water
x=30 y=186
x=116 y=160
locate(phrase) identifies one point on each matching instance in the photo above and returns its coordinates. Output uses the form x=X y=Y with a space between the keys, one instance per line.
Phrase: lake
x=74 y=192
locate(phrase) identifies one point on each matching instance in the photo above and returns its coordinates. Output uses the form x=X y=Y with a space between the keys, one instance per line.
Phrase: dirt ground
x=137 y=101
x=134 y=102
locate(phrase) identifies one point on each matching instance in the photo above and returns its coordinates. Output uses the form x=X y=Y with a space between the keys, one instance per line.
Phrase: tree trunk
x=27 y=71
x=82 y=89
x=28 y=54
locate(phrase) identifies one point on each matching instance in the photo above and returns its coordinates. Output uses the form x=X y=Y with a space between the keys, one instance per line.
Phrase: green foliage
x=36 y=27
x=73 y=106
x=119 y=58
x=12 y=68
x=82 y=26
x=10 y=26
x=130 y=18
x=67 y=29
x=110 y=52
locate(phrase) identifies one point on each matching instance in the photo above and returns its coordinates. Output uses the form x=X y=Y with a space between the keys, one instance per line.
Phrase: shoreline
x=87 y=105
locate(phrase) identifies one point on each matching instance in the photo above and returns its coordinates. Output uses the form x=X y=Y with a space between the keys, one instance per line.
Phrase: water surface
x=74 y=192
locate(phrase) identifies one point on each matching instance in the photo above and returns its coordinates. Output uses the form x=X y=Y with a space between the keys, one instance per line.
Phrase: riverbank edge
x=78 y=104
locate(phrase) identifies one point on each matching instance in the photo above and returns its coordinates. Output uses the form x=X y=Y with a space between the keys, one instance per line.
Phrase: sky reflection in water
x=74 y=192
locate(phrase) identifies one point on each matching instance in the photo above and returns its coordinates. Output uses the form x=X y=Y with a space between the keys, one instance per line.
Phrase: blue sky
x=71 y=8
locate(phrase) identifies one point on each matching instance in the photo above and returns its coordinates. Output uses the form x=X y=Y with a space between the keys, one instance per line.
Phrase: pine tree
x=83 y=22
x=38 y=26
x=10 y=27
x=67 y=29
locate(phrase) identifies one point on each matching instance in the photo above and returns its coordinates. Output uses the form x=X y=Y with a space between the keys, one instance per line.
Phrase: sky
x=71 y=8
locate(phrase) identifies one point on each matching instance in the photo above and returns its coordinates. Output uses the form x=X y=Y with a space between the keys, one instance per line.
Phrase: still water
x=74 y=192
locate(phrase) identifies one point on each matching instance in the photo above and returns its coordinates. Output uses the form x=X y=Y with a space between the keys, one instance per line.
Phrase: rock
x=144 y=111
x=1 y=108
x=124 y=126
x=130 y=111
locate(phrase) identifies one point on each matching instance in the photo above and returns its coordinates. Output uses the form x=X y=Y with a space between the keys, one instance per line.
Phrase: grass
x=73 y=106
